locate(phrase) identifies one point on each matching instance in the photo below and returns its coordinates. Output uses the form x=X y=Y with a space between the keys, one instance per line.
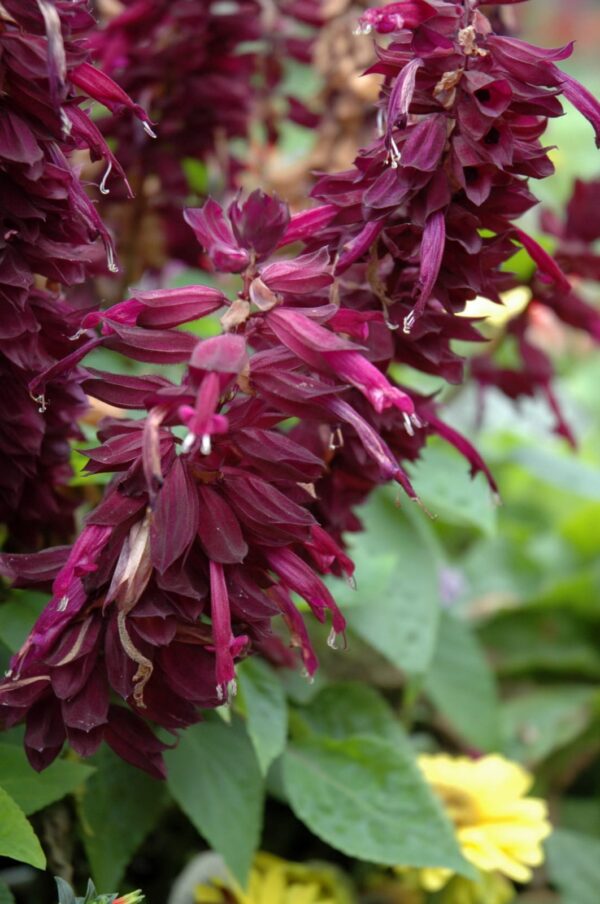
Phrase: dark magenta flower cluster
x=231 y=492
x=177 y=59
x=206 y=530
x=50 y=236
x=551 y=300
x=425 y=220
x=212 y=521
x=208 y=73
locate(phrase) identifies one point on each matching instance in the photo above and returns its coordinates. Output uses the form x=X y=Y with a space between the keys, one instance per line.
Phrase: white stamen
x=395 y=155
x=381 y=120
x=148 y=130
x=331 y=640
x=188 y=442
x=408 y=424
x=66 y=123
x=226 y=691
x=309 y=678
x=336 y=440
x=77 y=335
x=409 y=322
x=63 y=604
x=103 y=189
x=41 y=401
x=351 y=581
x=8 y=673
x=110 y=258
x=362 y=28
x=206 y=444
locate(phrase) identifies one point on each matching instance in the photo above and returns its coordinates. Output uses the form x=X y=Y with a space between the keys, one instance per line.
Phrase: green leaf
x=574 y=866
x=117 y=808
x=303 y=82
x=5 y=657
x=6 y=896
x=538 y=723
x=14 y=735
x=205 y=327
x=262 y=699
x=367 y=798
x=66 y=895
x=350 y=709
x=523 y=264
x=215 y=778
x=296 y=142
x=567 y=473
x=461 y=684
x=34 y=790
x=17 y=616
x=577 y=593
x=17 y=839
x=581 y=814
x=396 y=605
x=375 y=574
x=500 y=569
x=298 y=688
x=197 y=175
x=579 y=529
x=552 y=641
x=91 y=895
x=443 y=481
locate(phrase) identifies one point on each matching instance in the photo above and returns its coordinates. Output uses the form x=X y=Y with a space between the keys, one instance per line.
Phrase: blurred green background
x=479 y=622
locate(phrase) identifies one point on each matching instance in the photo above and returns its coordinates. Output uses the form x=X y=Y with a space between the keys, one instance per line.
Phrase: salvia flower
x=169 y=582
x=561 y=300
x=219 y=512
x=177 y=61
x=204 y=73
x=426 y=218
x=425 y=221
x=51 y=236
x=210 y=524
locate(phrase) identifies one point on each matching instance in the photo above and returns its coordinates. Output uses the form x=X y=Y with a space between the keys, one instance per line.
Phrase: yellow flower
x=498 y=827
x=489 y=888
x=276 y=881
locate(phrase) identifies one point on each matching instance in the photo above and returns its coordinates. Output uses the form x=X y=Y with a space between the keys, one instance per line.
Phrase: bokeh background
x=517 y=663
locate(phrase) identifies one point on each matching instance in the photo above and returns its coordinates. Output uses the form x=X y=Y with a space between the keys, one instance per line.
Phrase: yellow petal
x=208 y=894
x=433 y=879
x=272 y=887
x=480 y=850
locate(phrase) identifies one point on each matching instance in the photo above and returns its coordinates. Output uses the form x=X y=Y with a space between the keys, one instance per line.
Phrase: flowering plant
x=281 y=881
x=67 y=896
x=285 y=418
x=52 y=237
x=456 y=135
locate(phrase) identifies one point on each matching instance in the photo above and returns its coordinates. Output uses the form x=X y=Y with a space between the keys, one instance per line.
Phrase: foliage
x=471 y=626
x=17 y=838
